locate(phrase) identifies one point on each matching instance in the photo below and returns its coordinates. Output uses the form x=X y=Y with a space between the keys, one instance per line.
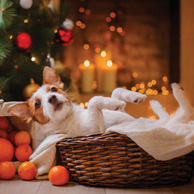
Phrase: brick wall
x=143 y=49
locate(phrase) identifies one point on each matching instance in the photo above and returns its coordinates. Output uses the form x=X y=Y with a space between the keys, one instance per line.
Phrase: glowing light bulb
x=108 y=19
x=97 y=50
x=88 y=12
x=155 y=92
x=137 y=86
x=109 y=63
x=86 y=104
x=154 y=82
x=149 y=84
x=33 y=59
x=135 y=74
x=81 y=10
x=103 y=54
x=112 y=28
x=165 y=79
x=83 y=26
x=134 y=89
x=112 y=14
x=78 y=23
x=26 y=21
x=142 y=85
x=86 y=46
x=86 y=63
x=119 y=29
x=163 y=88
x=82 y=104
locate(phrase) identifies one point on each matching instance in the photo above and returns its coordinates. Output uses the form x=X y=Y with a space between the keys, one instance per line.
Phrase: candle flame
x=103 y=54
x=109 y=63
x=86 y=63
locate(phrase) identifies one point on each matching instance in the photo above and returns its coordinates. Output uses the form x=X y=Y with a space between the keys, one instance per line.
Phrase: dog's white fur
x=59 y=115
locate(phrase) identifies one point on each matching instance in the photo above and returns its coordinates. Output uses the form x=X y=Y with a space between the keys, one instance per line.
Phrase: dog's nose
x=52 y=99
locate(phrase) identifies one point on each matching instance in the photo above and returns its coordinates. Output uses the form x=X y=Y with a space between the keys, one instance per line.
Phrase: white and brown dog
x=52 y=107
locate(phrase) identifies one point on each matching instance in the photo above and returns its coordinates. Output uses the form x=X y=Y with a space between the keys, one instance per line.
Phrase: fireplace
x=140 y=37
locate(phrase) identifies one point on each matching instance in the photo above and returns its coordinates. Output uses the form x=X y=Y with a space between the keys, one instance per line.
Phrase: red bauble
x=23 y=41
x=64 y=37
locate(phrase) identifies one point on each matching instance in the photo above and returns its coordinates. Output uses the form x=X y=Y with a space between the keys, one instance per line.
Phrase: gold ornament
x=30 y=89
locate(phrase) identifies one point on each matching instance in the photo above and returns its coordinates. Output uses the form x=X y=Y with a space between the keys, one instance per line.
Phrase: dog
x=54 y=110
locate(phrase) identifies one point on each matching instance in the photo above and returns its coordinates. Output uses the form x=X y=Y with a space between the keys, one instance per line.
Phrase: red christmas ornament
x=64 y=37
x=23 y=41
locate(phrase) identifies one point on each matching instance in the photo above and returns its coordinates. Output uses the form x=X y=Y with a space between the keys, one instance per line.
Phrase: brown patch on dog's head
x=27 y=112
x=32 y=109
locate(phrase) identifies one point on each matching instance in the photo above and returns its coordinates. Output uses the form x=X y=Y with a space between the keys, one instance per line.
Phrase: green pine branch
x=7 y=14
x=5 y=48
x=4 y=89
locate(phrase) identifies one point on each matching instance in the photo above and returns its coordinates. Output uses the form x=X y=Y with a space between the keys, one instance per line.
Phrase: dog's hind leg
x=159 y=110
x=180 y=96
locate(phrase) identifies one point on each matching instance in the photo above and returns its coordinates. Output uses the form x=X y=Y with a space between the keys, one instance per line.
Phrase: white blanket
x=163 y=143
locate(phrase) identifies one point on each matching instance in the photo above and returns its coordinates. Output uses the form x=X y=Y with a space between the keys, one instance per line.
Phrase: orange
x=11 y=137
x=58 y=175
x=4 y=123
x=23 y=152
x=7 y=170
x=27 y=171
x=6 y=150
x=3 y=134
x=9 y=129
x=22 y=137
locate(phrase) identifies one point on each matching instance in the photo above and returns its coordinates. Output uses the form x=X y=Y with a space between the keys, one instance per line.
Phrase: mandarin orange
x=22 y=137
x=7 y=170
x=6 y=150
x=58 y=175
x=27 y=171
x=23 y=152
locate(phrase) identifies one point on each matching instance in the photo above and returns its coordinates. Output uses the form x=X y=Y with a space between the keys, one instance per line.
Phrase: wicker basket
x=114 y=160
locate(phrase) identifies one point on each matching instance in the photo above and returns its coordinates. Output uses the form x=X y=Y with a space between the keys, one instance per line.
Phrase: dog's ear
x=51 y=77
x=21 y=111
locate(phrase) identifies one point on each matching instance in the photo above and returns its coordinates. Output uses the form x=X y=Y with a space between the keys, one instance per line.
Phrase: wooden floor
x=18 y=186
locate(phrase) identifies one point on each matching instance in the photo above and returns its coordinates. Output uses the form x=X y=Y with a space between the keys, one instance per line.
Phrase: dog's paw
x=128 y=96
x=177 y=89
x=138 y=98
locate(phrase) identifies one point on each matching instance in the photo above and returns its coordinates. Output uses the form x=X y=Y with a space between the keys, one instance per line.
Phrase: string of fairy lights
x=148 y=88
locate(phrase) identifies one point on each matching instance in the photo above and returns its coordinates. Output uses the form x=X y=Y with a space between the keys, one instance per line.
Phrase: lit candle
x=87 y=76
x=109 y=77
x=101 y=60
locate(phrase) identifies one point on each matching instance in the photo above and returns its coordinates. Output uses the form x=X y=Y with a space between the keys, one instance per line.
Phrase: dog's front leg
x=95 y=120
x=127 y=95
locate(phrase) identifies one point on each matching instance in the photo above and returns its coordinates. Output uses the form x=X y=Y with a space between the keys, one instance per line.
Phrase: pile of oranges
x=16 y=146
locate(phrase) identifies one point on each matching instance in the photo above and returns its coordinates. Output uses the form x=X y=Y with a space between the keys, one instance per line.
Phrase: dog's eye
x=53 y=89
x=37 y=104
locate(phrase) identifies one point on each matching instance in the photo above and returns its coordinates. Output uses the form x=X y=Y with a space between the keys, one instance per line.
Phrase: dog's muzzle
x=52 y=99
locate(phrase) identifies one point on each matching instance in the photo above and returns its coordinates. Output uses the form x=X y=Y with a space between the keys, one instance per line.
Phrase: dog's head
x=48 y=103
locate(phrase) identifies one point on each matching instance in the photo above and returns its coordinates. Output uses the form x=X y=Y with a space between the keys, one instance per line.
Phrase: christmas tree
x=31 y=35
